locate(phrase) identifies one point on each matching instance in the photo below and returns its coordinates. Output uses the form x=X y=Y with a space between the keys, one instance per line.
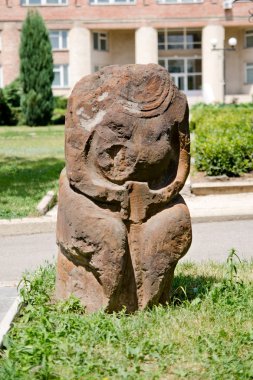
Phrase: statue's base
x=77 y=281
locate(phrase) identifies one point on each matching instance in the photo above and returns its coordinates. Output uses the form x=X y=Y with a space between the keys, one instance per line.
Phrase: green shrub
x=60 y=106
x=223 y=142
x=58 y=116
x=5 y=111
x=60 y=102
x=12 y=94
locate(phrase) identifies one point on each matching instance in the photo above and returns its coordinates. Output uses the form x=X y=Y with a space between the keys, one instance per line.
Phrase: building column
x=146 y=45
x=79 y=53
x=213 y=64
x=10 y=52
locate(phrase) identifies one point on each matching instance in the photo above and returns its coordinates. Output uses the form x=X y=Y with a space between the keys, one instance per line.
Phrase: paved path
x=211 y=241
x=7 y=297
x=19 y=253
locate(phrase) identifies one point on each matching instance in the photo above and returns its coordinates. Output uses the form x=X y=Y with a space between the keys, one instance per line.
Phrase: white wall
x=79 y=53
x=212 y=64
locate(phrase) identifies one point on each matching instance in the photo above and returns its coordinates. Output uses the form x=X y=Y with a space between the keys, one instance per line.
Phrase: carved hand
x=139 y=199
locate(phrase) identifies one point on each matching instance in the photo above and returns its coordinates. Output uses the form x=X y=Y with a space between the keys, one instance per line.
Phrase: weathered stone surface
x=122 y=225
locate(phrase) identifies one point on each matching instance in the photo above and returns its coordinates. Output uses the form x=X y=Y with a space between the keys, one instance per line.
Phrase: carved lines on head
x=143 y=91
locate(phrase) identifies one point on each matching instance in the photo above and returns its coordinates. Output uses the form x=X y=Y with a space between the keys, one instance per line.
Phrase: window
x=58 y=39
x=185 y=72
x=179 y=1
x=249 y=38
x=100 y=41
x=111 y=2
x=179 y=39
x=61 y=77
x=249 y=73
x=44 y=2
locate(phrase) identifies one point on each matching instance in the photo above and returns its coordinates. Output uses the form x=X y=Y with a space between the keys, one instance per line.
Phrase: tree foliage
x=36 y=71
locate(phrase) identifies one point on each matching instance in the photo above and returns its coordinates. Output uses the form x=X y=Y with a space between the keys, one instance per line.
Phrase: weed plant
x=206 y=332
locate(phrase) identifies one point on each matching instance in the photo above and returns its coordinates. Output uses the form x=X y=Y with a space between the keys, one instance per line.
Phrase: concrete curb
x=220 y=218
x=27 y=226
x=47 y=202
x=6 y=322
x=213 y=188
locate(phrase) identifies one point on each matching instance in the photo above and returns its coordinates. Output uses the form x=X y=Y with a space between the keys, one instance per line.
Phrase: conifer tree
x=36 y=71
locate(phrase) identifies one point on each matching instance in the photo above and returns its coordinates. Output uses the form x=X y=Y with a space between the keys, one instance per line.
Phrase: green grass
x=205 y=334
x=30 y=163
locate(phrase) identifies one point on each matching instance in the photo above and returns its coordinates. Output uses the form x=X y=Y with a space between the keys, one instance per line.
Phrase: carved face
x=122 y=125
x=125 y=147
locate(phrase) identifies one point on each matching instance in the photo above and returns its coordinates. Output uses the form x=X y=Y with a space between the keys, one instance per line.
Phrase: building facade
x=188 y=37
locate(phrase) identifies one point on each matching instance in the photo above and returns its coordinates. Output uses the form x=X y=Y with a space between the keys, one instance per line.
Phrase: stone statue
x=122 y=225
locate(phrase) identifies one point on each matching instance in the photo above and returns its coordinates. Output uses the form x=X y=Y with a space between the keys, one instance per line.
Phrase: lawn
x=206 y=333
x=31 y=159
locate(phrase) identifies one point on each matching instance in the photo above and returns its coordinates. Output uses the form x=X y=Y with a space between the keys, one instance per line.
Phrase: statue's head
x=125 y=118
x=139 y=90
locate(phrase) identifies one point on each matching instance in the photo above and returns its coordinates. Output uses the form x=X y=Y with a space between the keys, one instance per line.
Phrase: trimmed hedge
x=223 y=142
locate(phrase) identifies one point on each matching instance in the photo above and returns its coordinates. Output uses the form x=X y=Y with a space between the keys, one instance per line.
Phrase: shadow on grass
x=189 y=287
x=23 y=183
x=24 y=177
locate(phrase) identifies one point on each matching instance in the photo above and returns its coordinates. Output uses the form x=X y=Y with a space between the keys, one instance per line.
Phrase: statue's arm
x=143 y=200
x=164 y=195
x=184 y=158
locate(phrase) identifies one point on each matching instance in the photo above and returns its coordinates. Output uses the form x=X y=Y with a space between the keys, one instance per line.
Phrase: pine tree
x=36 y=71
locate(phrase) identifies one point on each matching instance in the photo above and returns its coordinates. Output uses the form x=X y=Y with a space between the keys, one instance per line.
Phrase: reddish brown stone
x=122 y=225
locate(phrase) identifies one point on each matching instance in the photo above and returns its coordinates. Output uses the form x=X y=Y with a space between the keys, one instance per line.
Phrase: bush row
x=223 y=138
x=10 y=106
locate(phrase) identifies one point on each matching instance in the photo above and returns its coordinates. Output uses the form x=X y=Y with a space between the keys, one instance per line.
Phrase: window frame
x=61 y=71
x=99 y=39
x=112 y=2
x=43 y=3
x=184 y=2
x=60 y=39
x=248 y=33
x=185 y=74
x=184 y=44
x=248 y=66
